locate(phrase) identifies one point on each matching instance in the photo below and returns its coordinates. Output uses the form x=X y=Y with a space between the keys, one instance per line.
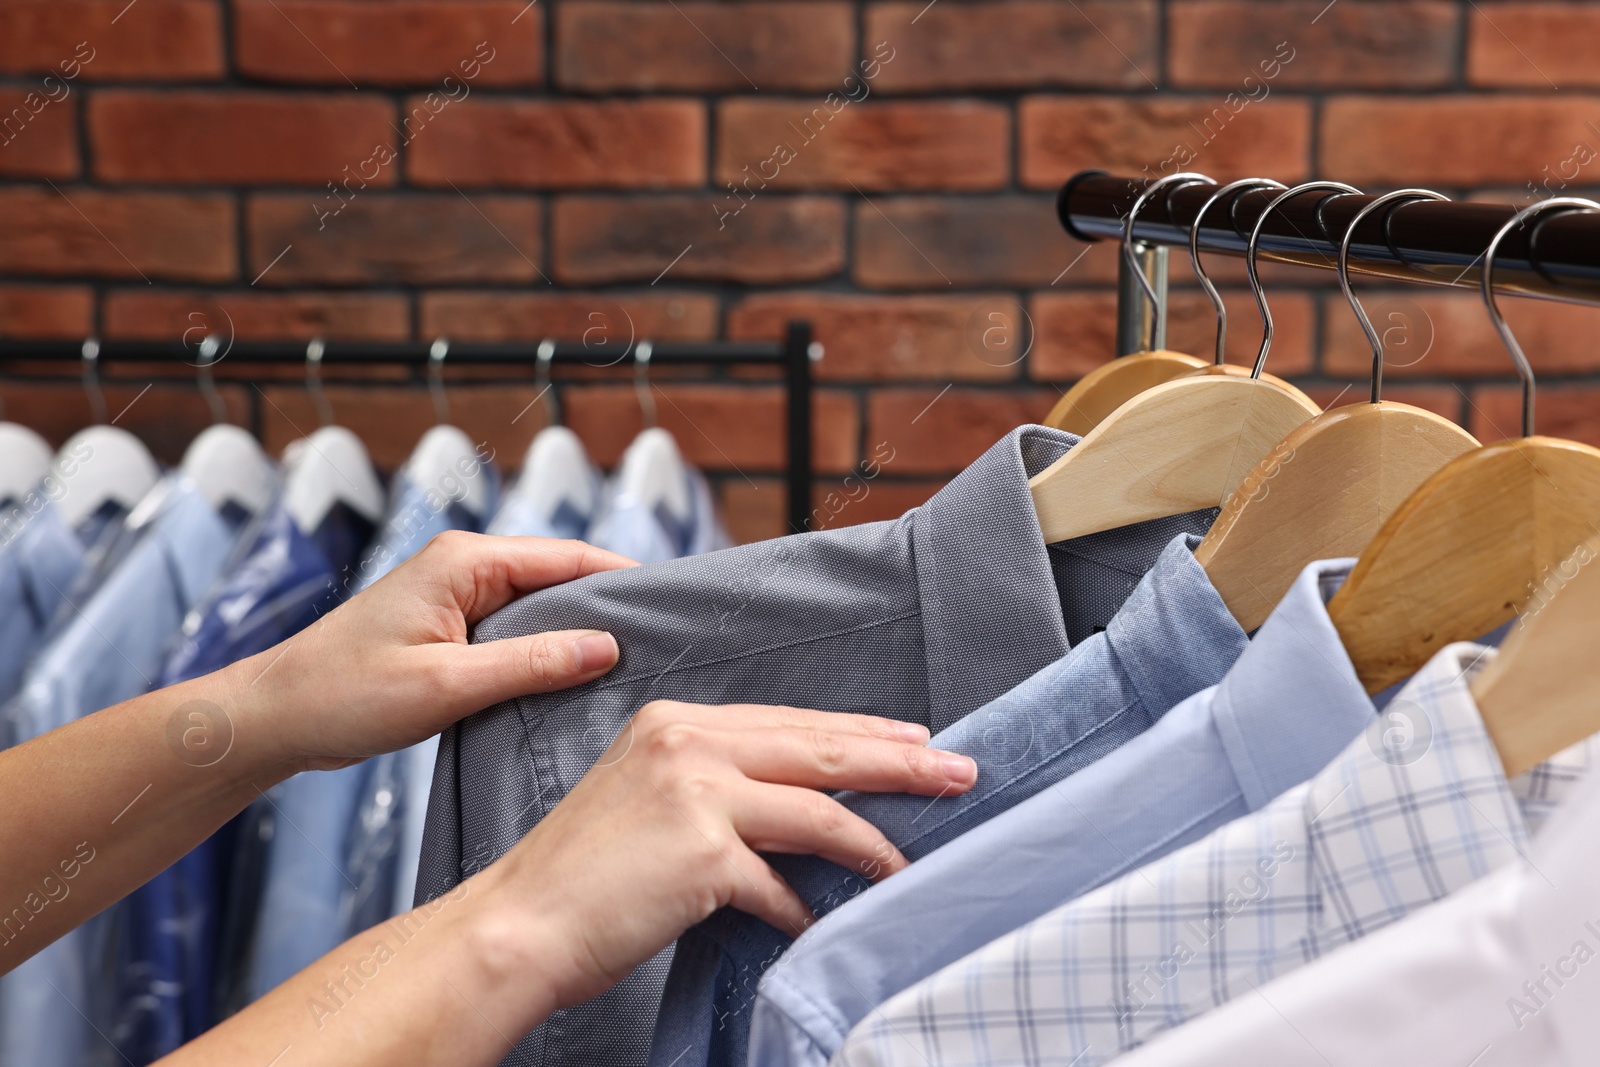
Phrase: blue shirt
x=285 y=579
x=330 y=866
x=1288 y=707
x=39 y=561
x=1172 y=638
x=630 y=527
x=110 y=652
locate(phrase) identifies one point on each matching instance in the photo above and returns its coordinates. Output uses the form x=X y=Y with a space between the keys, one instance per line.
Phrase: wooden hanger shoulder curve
x=1110 y=385
x=1323 y=492
x=1463 y=553
x=1538 y=695
x=1176 y=447
x=1237 y=370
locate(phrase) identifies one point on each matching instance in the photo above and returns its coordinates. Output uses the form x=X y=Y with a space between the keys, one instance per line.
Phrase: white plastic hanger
x=445 y=457
x=329 y=467
x=652 y=468
x=225 y=461
x=24 y=458
x=101 y=463
x=556 y=467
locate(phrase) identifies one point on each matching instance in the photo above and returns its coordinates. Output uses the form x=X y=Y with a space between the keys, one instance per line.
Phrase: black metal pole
x=406 y=352
x=1432 y=242
x=797 y=379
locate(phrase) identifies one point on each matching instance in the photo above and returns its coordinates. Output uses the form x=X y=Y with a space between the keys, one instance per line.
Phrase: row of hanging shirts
x=116 y=577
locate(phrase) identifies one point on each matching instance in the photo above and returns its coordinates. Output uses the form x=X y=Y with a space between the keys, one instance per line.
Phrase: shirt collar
x=1174 y=635
x=984 y=577
x=49 y=555
x=1293 y=701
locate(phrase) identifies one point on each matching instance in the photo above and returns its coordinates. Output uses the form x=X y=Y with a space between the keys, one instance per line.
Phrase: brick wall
x=489 y=169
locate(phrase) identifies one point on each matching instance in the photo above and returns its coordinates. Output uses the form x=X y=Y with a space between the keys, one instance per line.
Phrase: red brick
x=166 y=417
x=1448 y=335
x=1570 y=411
x=835 y=144
x=934 y=242
x=1077 y=331
x=738 y=428
x=885 y=498
x=117 y=235
x=1452 y=141
x=161 y=40
x=751 y=510
x=565 y=144
x=1532 y=45
x=394 y=239
x=248 y=138
x=1013 y=44
x=499 y=316
x=38 y=132
x=252 y=315
x=867 y=338
x=1059 y=136
x=46 y=311
x=604 y=46
x=1298 y=44
x=352 y=43
x=939 y=430
x=774 y=239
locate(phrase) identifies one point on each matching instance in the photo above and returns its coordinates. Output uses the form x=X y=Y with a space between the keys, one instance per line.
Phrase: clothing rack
x=1423 y=241
x=795 y=354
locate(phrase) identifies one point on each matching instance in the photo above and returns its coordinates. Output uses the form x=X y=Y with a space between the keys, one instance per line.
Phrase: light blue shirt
x=40 y=560
x=1290 y=705
x=110 y=652
x=332 y=855
x=630 y=527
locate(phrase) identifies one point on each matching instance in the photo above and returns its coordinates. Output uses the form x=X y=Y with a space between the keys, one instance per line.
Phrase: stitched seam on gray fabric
x=764 y=650
x=1033 y=768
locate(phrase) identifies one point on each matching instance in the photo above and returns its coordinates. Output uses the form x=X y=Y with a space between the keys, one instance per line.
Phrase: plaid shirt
x=1413 y=810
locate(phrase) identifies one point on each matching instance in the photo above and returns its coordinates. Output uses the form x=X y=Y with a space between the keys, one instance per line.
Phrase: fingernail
x=594 y=652
x=910 y=731
x=959 y=769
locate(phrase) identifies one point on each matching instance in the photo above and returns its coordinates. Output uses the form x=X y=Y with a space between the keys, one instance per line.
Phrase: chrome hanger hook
x=1350 y=294
x=1250 y=260
x=319 y=399
x=91 y=380
x=1486 y=279
x=641 y=382
x=1156 y=310
x=545 y=355
x=1194 y=253
x=209 y=347
x=441 y=400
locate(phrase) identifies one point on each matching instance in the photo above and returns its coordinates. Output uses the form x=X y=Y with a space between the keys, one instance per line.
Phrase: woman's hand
x=665 y=828
x=393 y=666
x=662 y=831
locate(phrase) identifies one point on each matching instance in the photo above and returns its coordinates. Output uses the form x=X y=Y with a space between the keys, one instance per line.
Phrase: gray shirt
x=924 y=618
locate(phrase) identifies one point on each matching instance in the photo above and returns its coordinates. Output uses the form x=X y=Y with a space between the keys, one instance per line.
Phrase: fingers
x=825 y=759
x=537 y=663
x=759 y=890
x=781 y=818
x=768 y=716
x=484 y=573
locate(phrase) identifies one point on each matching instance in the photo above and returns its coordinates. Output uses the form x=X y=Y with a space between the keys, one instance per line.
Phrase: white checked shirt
x=1413 y=810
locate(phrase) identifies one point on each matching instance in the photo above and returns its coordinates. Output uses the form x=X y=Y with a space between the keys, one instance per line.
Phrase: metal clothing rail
x=1432 y=242
x=794 y=354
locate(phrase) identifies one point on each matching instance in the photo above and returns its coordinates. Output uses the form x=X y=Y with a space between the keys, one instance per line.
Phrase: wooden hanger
x=1325 y=490
x=1468 y=549
x=1538 y=695
x=1178 y=447
x=1104 y=389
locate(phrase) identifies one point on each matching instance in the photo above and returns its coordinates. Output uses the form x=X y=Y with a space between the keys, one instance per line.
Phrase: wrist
x=513 y=952
x=230 y=719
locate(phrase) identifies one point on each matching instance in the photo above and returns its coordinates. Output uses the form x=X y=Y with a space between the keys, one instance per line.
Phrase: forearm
x=95 y=809
x=455 y=982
